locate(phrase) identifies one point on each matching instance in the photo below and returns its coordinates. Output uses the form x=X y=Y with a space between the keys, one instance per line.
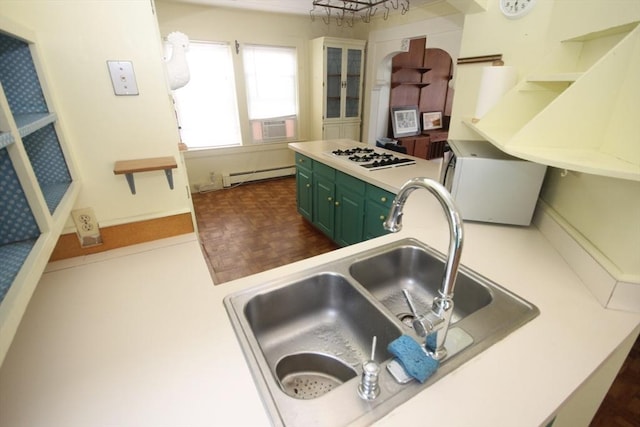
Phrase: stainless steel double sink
x=306 y=336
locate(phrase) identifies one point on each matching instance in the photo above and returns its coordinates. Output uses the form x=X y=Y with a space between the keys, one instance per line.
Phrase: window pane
x=207 y=108
x=271 y=81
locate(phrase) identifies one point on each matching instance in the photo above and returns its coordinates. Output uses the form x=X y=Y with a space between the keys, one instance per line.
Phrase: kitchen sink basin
x=412 y=268
x=306 y=336
x=322 y=315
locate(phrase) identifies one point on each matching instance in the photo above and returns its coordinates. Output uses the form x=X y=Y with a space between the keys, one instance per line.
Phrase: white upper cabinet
x=578 y=110
x=337 y=81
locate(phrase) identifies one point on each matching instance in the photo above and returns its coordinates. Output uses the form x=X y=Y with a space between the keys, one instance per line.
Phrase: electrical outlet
x=87 y=227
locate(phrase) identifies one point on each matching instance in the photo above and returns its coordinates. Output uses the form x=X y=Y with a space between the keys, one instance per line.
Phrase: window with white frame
x=207 y=106
x=272 y=97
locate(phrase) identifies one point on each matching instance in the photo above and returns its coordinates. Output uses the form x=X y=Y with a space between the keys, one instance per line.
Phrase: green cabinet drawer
x=380 y=196
x=324 y=170
x=304 y=161
x=353 y=184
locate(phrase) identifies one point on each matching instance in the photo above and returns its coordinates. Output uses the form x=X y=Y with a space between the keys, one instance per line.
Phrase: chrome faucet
x=438 y=319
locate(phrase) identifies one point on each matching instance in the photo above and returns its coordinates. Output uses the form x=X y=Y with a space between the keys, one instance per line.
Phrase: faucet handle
x=417 y=323
x=412 y=307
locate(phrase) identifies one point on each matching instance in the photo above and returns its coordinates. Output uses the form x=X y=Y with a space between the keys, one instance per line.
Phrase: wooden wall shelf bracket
x=129 y=167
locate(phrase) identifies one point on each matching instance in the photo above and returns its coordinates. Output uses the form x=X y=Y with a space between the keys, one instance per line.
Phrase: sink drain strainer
x=407 y=319
x=311 y=375
x=308 y=385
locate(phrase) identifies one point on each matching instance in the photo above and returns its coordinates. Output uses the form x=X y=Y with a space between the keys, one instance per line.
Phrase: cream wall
x=205 y=23
x=76 y=38
x=602 y=211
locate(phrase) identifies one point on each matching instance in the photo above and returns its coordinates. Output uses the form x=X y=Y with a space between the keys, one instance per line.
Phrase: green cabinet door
x=374 y=219
x=349 y=216
x=377 y=208
x=324 y=205
x=304 y=192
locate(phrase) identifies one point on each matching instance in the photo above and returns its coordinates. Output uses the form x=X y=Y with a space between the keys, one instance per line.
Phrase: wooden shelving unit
x=421 y=77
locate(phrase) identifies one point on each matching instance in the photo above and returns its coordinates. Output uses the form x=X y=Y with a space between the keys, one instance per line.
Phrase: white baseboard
x=240 y=177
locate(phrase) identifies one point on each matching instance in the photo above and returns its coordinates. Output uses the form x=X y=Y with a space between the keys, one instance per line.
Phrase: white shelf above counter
x=553 y=78
x=592 y=161
x=577 y=112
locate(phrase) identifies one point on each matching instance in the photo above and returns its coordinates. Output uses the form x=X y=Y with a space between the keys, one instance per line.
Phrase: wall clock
x=516 y=8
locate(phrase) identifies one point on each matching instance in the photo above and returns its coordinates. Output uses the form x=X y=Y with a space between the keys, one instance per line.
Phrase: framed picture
x=432 y=120
x=405 y=121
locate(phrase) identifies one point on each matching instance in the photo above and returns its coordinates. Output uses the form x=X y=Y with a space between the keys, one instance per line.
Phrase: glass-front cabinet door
x=353 y=79
x=343 y=82
x=334 y=83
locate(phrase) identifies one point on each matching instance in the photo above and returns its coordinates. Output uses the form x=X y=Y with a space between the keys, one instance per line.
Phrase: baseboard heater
x=239 y=177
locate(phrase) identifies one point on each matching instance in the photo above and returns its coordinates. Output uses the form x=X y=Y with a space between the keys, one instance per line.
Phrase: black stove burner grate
x=353 y=151
x=372 y=159
x=395 y=161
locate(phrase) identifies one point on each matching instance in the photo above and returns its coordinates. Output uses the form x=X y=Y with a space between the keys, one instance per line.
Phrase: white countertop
x=139 y=336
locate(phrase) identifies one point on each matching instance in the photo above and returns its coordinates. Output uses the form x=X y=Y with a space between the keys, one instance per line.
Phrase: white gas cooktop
x=370 y=158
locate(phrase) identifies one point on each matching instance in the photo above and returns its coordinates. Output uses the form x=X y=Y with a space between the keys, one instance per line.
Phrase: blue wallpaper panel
x=45 y=155
x=12 y=257
x=16 y=220
x=19 y=78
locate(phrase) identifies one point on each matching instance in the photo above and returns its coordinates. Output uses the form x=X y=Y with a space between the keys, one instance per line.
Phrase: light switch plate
x=123 y=78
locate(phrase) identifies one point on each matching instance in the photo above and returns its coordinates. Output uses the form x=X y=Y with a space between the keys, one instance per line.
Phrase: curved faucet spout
x=443 y=305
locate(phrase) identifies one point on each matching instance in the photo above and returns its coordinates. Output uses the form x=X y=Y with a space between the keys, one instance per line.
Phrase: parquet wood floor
x=621 y=406
x=255 y=227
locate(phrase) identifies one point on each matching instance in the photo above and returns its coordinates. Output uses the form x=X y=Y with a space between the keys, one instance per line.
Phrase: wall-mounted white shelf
x=554 y=78
x=129 y=167
x=578 y=110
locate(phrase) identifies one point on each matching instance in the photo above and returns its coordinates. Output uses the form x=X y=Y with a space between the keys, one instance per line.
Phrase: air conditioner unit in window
x=274 y=129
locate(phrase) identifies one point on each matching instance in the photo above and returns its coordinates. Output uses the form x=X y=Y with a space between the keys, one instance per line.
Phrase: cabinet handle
x=329 y=199
x=337 y=203
x=383 y=199
x=308 y=185
x=301 y=160
x=382 y=218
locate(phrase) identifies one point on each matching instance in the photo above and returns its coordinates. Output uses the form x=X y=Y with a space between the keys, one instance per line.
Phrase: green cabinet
x=304 y=186
x=378 y=203
x=345 y=208
x=350 y=193
x=324 y=204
